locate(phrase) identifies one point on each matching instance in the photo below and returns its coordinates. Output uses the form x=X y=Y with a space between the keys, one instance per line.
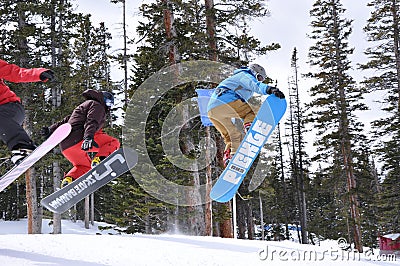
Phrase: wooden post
x=87 y=212
x=208 y=205
x=92 y=209
x=235 y=234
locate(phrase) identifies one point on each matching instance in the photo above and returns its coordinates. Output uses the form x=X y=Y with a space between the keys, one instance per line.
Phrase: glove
x=276 y=92
x=47 y=75
x=45 y=132
x=88 y=143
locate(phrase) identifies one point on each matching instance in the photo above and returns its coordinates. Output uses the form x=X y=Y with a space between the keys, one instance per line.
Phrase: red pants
x=80 y=158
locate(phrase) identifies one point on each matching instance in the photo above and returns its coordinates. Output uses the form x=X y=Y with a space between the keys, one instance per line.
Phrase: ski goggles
x=260 y=77
x=109 y=102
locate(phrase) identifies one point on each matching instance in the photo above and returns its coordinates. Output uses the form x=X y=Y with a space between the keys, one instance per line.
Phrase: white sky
x=288 y=25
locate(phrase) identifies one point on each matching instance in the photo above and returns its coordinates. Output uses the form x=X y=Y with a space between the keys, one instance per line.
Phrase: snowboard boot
x=19 y=153
x=96 y=160
x=66 y=181
x=227 y=157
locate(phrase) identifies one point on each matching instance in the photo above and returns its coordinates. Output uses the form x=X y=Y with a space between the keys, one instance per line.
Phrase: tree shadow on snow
x=39 y=259
x=205 y=243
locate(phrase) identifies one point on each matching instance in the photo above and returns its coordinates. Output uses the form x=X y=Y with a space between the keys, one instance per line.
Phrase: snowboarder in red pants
x=87 y=121
x=12 y=113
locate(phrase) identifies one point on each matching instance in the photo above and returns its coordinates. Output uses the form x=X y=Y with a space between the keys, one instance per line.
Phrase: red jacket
x=16 y=74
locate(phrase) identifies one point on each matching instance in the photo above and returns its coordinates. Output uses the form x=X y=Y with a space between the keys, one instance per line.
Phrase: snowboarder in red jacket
x=12 y=113
x=87 y=121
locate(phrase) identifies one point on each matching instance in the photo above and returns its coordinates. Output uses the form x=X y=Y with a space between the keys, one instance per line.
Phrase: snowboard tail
x=116 y=164
x=58 y=135
x=267 y=118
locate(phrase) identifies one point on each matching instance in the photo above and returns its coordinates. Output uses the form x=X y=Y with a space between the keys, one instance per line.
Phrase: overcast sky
x=288 y=25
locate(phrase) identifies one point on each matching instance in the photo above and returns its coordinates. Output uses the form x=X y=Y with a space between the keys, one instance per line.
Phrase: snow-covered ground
x=89 y=247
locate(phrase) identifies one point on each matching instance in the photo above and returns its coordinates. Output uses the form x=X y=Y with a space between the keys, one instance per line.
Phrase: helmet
x=258 y=71
x=108 y=98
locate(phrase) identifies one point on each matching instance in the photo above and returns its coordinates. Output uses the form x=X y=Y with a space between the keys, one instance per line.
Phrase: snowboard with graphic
x=267 y=118
x=116 y=164
x=58 y=135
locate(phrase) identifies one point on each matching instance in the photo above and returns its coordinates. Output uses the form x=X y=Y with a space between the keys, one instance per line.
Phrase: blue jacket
x=240 y=86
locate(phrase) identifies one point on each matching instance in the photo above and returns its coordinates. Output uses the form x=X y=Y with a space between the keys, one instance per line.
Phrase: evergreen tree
x=124 y=57
x=55 y=33
x=383 y=30
x=368 y=190
x=21 y=31
x=336 y=100
x=43 y=38
x=179 y=29
x=296 y=147
x=277 y=197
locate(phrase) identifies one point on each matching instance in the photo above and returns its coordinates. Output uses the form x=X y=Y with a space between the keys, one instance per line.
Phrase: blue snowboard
x=267 y=118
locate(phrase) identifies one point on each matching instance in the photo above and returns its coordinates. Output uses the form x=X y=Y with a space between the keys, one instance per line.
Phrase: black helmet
x=108 y=98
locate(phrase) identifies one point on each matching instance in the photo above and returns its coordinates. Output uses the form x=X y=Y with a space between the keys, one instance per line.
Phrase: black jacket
x=86 y=119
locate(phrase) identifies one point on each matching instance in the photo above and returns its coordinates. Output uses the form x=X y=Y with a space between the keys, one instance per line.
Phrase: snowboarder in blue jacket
x=230 y=100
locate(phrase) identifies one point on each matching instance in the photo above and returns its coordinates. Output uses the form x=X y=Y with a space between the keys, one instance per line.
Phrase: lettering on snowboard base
x=267 y=118
x=85 y=183
x=252 y=144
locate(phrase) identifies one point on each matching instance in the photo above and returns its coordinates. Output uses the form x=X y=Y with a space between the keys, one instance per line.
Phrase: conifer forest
x=348 y=186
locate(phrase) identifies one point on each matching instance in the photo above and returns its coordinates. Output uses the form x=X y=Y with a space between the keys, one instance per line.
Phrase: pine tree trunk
x=92 y=209
x=56 y=44
x=74 y=214
x=170 y=32
x=226 y=227
x=245 y=219
x=351 y=182
x=351 y=189
x=56 y=185
x=346 y=144
x=208 y=204
x=147 y=225
x=31 y=197
x=210 y=24
x=250 y=220
x=125 y=52
x=241 y=218
x=34 y=219
x=125 y=58
x=262 y=216
x=284 y=188
x=176 y=220
x=303 y=221
x=17 y=202
x=196 y=221
x=87 y=211
x=297 y=155
x=376 y=178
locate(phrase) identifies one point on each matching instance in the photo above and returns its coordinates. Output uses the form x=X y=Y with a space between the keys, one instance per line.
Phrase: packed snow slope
x=78 y=246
